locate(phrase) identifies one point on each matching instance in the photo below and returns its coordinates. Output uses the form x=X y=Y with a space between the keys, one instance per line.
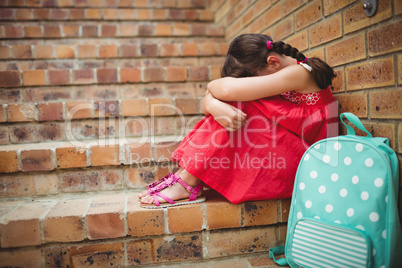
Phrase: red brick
x=34 y=77
x=180 y=248
x=136 y=107
x=164 y=150
x=22 y=51
x=176 y=74
x=105 y=155
x=377 y=73
x=33 y=3
x=49 y=3
x=130 y=75
x=4 y=135
x=162 y=29
x=23 y=258
x=86 y=51
x=44 y=52
x=353 y=103
x=153 y=74
x=188 y=106
x=93 y=13
x=10 y=79
x=128 y=29
x=169 y=50
x=65 y=52
x=105 y=218
x=106 y=108
x=189 y=49
x=185 y=219
x=398 y=7
x=158 y=107
x=89 y=31
x=386 y=104
x=137 y=153
x=283 y=210
x=21 y=227
x=5 y=52
x=400 y=68
x=8 y=160
x=100 y=255
x=71 y=30
x=77 y=14
x=3 y=114
x=379 y=41
x=181 y=29
x=42 y=14
x=222 y=214
x=283 y=29
x=24 y=14
x=106 y=76
x=64 y=223
x=59 y=14
x=52 y=31
x=338 y=84
x=308 y=15
x=7 y=14
x=108 y=51
x=126 y=14
x=198 y=74
x=59 y=77
x=149 y=50
x=36 y=160
x=129 y=51
x=333 y=6
x=33 y=31
x=159 y=14
x=326 y=31
x=142 y=222
x=346 y=51
x=84 y=76
x=260 y=213
x=78 y=110
x=21 y=112
x=108 y=30
x=355 y=18
x=50 y=111
x=13 y=31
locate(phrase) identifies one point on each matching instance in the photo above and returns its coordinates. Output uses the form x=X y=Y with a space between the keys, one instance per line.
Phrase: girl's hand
x=226 y=115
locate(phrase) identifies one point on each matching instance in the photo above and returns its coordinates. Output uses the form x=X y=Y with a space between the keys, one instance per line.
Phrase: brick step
x=105 y=3
x=113 y=29
x=48 y=156
x=112 y=229
x=101 y=92
x=99 y=76
x=104 y=14
x=23 y=57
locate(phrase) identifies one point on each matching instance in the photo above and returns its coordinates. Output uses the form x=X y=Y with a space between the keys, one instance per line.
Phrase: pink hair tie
x=303 y=61
x=269 y=44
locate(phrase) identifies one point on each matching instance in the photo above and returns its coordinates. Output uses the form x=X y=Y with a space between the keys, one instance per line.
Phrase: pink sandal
x=168 y=181
x=156 y=183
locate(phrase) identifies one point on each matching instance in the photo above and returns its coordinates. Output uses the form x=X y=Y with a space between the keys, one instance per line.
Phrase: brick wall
x=364 y=51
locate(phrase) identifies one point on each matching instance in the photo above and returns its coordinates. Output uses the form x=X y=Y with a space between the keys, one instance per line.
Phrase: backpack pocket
x=317 y=243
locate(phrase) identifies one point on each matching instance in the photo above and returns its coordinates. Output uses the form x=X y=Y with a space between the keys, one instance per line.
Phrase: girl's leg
x=176 y=191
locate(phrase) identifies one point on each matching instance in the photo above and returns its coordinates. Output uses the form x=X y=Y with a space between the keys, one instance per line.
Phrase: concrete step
x=107 y=29
x=105 y=13
x=105 y=3
x=112 y=229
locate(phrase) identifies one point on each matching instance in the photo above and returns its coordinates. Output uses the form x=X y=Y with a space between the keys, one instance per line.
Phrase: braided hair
x=321 y=71
x=248 y=53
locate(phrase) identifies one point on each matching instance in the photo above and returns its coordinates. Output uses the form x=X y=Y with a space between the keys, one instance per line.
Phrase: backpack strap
x=354 y=120
x=278 y=251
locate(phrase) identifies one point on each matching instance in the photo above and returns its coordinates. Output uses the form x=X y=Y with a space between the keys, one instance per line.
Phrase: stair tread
x=90 y=211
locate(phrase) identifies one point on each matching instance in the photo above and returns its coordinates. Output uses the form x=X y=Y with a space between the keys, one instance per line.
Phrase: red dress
x=259 y=161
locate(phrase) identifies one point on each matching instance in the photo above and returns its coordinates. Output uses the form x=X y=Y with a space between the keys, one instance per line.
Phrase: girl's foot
x=174 y=192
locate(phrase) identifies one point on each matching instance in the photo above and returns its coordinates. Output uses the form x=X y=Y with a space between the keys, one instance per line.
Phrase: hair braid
x=321 y=71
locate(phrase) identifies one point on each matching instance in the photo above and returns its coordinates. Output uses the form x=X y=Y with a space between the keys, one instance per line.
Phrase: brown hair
x=247 y=56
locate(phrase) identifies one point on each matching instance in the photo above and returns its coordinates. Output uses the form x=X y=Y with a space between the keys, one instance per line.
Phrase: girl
x=286 y=105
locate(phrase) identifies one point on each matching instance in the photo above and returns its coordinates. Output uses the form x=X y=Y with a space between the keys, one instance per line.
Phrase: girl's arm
x=294 y=77
x=225 y=114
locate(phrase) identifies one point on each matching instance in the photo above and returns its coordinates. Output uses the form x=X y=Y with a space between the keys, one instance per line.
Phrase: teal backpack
x=344 y=206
